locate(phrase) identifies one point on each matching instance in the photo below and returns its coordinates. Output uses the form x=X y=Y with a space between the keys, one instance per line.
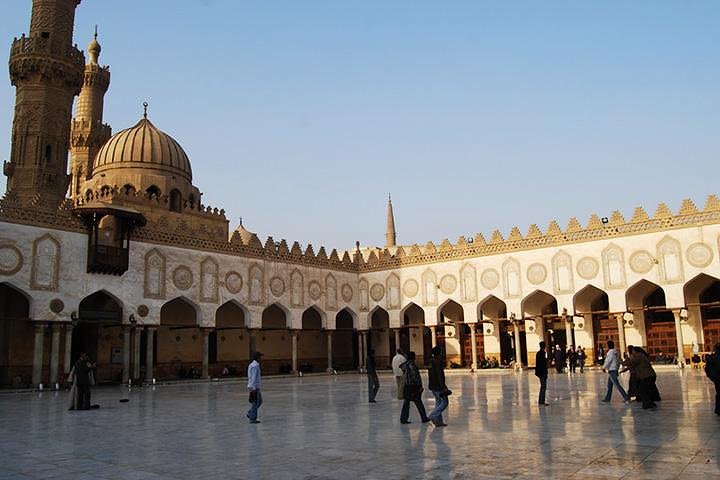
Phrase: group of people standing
x=572 y=358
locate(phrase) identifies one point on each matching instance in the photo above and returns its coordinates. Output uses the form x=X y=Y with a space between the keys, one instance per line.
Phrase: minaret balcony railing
x=43 y=46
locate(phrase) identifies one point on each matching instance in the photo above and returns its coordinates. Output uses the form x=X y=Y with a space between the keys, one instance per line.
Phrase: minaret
x=390 y=237
x=47 y=72
x=88 y=133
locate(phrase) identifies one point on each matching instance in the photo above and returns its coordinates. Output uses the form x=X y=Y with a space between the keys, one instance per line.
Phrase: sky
x=301 y=117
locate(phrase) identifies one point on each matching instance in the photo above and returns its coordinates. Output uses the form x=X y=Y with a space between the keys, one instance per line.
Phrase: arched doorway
x=647 y=302
x=415 y=336
x=498 y=345
x=452 y=333
x=99 y=334
x=16 y=337
x=274 y=340
x=593 y=304
x=380 y=338
x=345 y=350
x=702 y=298
x=312 y=343
x=542 y=307
x=229 y=346
x=178 y=344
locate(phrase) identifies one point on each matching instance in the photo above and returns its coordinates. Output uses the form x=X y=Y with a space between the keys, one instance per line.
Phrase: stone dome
x=143 y=147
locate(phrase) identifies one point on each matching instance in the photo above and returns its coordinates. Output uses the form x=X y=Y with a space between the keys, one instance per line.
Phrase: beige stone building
x=121 y=258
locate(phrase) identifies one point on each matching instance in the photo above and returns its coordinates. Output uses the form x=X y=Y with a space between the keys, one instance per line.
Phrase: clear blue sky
x=300 y=116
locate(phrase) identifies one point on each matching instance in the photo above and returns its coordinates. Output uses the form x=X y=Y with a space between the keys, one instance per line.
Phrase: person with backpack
x=712 y=370
x=436 y=384
x=412 y=390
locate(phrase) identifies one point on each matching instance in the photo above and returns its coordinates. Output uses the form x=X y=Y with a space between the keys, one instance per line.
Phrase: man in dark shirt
x=436 y=384
x=712 y=370
x=373 y=382
x=541 y=371
x=83 y=368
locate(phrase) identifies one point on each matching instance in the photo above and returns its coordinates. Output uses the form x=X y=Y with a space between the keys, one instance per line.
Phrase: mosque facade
x=121 y=258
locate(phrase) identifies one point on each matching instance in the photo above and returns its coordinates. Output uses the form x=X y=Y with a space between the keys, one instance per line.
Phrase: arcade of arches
x=178 y=346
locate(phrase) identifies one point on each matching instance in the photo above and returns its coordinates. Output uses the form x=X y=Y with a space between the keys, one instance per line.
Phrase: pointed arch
x=100 y=306
x=450 y=311
x=231 y=314
x=412 y=314
x=346 y=319
x=179 y=312
x=276 y=316
x=590 y=299
x=379 y=318
x=15 y=303
x=313 y=318
x=538 y=303
x=638 y=295
x=491 y=308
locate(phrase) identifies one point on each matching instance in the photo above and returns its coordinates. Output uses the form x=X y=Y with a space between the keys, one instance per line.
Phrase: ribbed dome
x=143 y=147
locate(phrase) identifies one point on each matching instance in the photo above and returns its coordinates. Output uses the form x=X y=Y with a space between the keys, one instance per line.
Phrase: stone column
x=361 y=356
x=621 y=333
x=329 y=351
x=136 y=353
x=126 y=354
x=473 y=346
x=433 y=336
x=293 y=337
x=38 y=353
x=518 y=353
x=67 y=362
x=679 y=339
x=149 y=360
x=205 y=352
x=397 y=339
x=568 y=330
x=55 y=354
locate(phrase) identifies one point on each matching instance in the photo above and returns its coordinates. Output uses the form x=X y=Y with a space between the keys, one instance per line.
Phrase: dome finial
x=94 y=48
x=145 y=105
x=95 y=32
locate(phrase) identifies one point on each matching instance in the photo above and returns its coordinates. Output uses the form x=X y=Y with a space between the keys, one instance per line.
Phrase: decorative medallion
x=377 y=292
x=490 y=278
x=641 y=261
x=536 y=273
x=347 y=293
x=56 y=305
x=277 y=286
x=588 y=268
x=314 y=290
x=143 y=310
x=11 y=260
x=699 y=255
x=411 y=288
x=448 y=284
x=233 y=282
x=182 y=277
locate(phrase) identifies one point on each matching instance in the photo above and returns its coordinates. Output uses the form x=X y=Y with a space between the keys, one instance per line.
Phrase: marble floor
x=322 y=427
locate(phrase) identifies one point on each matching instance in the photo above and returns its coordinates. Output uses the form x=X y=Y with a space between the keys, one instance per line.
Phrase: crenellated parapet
x=64 y=65
x=597 y=228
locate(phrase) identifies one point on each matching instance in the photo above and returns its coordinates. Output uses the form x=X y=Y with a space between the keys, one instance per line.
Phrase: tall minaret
x=88 y=133
x=390 y=237
x=47 y=72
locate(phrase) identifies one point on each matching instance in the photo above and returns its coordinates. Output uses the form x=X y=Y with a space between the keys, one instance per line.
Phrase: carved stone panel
x=536 y=273
x=154 y=274
x=563 y=273
x=588 y=268
x=347 y=293
x=11 y=259
x=377 y=292
x=641 y=261
x=699 y=255
x=468 y=277
x=182 y=277
x=512 y=282
x=613 y=260
x=233 y=282
x=331 y=293
x=448 y=284
x=429 y=288
x=364 y=295
x=393 y=291
x=256 y=281
x=670 y=257
x=490 y=278
x=297 y=295
x=314 y=290
x=209 y=280
x=411 y=288
x=277 y=286
x=45 y=269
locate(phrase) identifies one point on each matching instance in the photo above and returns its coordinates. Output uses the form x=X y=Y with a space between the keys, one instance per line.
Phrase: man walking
x=436 y=384
x=83 y=371
x=398 y=360
x=541 y=371
x=373 y=382
x=253 y=385
x=412 y=390
x=611 y=366
x=712 y=370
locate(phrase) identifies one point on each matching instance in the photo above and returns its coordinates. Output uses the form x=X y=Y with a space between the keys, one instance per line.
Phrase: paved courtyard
x=322 y=427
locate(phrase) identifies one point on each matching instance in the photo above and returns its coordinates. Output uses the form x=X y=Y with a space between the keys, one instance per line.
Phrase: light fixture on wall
x=683 y=314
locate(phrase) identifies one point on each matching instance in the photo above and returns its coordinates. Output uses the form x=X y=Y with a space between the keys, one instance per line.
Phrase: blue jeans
x=441 y=403
x=252 y=413
x=613 y=380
